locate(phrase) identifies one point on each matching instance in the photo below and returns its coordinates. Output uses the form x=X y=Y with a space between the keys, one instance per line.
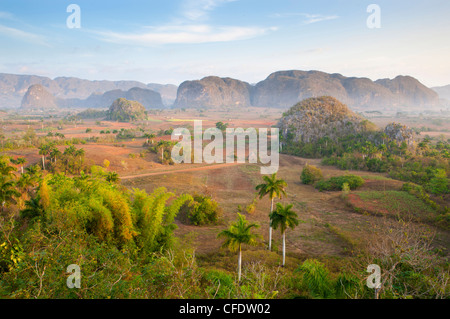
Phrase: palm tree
x=25 y=182
x=7 y=190
x=237 y=234
x=274 y=188
x=80 y=153
x=44 y=150
x=112 y=177
x=33 y=208
x=54 y=153
x=21 y=161
x=6 y=169
x=162 y=145
x=284 y=217
x=34 y=171
x=71 y=150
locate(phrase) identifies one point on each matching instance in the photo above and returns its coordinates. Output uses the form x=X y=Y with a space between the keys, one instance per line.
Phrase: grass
x=342 y=235
x=392 y=203
x=376 y=178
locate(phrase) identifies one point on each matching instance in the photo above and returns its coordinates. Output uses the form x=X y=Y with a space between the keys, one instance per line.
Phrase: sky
x=157 y=41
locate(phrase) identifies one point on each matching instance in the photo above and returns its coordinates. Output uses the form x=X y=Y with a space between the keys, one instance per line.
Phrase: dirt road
x=193 y=169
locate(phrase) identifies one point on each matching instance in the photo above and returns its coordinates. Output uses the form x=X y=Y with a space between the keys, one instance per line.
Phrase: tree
x=5 y=168
x=274 y=188
x=34 y=171
x=236 y=235
x=311 y=174
x=439 y=183
x=33 y=208
x=44 y=150
x=54 y=153
x=21 y=161
x=25 y=182
x=221 y=126
x=80 y=154
x=163 y=146
x=284 y=217
x=113 y=177
x=7 y=190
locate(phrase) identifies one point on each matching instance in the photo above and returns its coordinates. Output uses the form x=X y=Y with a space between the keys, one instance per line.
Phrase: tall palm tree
x=239 y=233
x=284 y=217
x=274 y=188
x=21 y=161
x=162 y=145
x=54 y=153
x=80 y=154
x=44 y=150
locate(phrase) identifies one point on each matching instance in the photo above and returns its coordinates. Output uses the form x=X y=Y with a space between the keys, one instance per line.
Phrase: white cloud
x=188 y=28
x=185 y=34
x=198 y=9
x=308 y=18
x=6 y=15
x=22 y=35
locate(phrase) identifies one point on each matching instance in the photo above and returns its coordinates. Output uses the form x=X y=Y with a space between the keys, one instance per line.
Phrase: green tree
x=5 y=168
x=439 y=183
x=33 y=208
x=239 y=233
x=316 y=278
x=284 y=217
x=311 y=174
x=7 y=190
x=274 y=188
x=25 y=182
x=21 y=161
x=44 y=150
x=113 y=177
x=55 y=153
x=221 y=126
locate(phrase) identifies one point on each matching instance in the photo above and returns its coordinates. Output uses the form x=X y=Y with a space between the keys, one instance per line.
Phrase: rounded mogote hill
x=315 y=118
x=123 y=110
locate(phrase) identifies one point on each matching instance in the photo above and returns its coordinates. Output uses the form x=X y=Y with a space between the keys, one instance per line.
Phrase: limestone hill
x=38 y=98
x=316 y=118
x=123 y=110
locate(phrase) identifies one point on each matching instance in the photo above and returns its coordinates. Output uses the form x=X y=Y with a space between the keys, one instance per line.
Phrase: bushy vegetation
x=164 y=149
x=337 y=183
x=201 y=210
x=311 y=174
x=124 y=242
x=92 y=114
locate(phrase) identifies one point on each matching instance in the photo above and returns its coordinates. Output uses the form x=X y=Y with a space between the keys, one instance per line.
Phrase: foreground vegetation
x=123 y=242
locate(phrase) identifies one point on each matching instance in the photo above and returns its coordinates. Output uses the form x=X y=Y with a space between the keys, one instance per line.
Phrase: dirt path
x=202 y=168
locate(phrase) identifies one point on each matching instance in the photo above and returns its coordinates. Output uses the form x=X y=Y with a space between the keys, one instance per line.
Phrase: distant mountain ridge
x=213 y=91
x=283 y=89
x=444 y=92
x=148 y=98
x=13 y=87
x=280 y=89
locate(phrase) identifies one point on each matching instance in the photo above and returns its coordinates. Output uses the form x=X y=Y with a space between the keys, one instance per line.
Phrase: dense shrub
x=202 y=210
x=337 y=183
x=311 y=174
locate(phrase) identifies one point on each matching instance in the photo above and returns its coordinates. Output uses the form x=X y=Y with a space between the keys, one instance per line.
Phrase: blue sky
x=172 y=41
